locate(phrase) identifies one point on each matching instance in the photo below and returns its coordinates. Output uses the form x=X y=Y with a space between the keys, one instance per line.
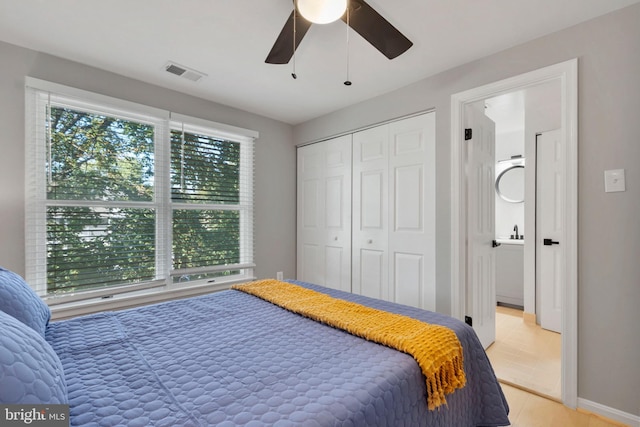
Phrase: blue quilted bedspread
x=230 y=358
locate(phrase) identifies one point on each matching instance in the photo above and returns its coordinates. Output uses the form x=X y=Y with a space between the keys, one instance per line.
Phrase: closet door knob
x=370 y=241
x=335 y=238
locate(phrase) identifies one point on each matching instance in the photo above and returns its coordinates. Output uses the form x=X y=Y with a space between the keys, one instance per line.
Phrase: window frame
x=39 y=93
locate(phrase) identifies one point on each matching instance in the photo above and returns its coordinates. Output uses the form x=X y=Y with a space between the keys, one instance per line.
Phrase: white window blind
x=121 y=198
x=212 y=203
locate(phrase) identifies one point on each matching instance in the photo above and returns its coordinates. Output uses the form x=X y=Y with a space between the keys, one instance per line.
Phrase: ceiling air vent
x=184 y=72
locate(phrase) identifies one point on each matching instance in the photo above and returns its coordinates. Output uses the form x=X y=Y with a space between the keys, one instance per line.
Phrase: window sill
x=151 y=296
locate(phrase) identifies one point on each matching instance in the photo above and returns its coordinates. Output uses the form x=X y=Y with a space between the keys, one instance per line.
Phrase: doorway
x=566 y=74
x=527 y=348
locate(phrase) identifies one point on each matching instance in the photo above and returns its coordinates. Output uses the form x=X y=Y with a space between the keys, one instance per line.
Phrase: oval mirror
x=510 y=184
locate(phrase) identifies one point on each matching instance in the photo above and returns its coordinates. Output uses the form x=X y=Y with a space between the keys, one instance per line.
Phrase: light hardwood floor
x=530 y=410
x=529 y=356
x=525 y=354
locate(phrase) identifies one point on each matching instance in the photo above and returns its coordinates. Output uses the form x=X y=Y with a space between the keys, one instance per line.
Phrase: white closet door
x=412 y=211
x=370 y=264
x=366 y=223
x=324 y=213
x=337 y=213
x=310 y=235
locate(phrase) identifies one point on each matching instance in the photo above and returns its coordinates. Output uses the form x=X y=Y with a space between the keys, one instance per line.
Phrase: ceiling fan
x=360 y=16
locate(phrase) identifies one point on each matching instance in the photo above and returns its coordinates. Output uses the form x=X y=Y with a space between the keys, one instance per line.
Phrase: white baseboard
x=610 y=413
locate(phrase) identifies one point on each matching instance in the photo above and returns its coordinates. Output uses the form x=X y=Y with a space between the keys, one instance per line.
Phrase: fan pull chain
x=347 y=82
x=294 y=75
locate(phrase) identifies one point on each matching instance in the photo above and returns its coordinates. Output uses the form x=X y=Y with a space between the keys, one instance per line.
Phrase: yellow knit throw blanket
x=435 y=348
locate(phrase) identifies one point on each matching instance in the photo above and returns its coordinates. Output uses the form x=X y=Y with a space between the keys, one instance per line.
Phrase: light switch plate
x=614 y=180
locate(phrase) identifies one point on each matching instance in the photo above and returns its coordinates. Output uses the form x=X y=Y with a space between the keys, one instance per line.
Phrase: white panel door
x=412 y=211
x=549 y=219
x=337 y=213
x=481 y=286
x=370 y=271
x=324 y=213
x=310 y=226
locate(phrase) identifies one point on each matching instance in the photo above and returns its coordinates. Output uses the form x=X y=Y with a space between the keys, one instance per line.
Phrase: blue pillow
x=30 y=371
x=20 y=301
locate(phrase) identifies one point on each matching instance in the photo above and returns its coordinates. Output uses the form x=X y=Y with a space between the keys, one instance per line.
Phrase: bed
x=230 y=358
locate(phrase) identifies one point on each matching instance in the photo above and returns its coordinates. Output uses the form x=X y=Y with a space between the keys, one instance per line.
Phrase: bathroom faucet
x=515 y=229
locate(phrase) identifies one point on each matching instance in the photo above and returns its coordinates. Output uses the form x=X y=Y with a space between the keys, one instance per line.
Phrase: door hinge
x=468 y=134
x=468 y=320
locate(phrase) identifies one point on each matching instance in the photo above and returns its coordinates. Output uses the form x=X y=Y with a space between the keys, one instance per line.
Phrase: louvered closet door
x=324 y=213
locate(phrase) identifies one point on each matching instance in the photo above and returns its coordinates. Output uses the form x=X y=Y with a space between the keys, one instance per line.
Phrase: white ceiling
x=542 y=101
x=229 y=39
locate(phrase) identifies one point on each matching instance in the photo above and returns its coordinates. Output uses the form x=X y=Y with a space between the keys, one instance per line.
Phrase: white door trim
x=567 y=72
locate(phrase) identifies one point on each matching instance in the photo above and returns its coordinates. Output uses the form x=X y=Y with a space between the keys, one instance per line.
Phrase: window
x=211 y=203
x=122 y=197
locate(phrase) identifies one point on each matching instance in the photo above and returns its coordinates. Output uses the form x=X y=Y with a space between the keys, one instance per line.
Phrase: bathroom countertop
x=511 y=241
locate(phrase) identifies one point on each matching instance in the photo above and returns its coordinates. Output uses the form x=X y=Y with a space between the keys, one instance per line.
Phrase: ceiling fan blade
x=376 y=30
x=282 y=49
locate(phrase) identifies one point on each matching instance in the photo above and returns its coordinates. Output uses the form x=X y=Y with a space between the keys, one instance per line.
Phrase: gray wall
x=608 y=49
x=609 y=230
x=275 y=157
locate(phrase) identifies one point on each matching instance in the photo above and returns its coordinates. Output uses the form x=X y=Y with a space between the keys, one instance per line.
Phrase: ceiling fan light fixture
x=322 y=11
